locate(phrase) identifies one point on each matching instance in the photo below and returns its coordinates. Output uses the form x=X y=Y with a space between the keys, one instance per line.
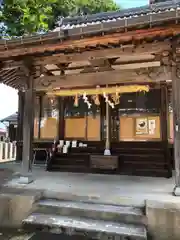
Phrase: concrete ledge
x=163 y=219
x=16 y=206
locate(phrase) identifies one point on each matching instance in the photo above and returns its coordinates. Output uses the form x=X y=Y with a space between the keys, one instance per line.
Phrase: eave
x=136 y=37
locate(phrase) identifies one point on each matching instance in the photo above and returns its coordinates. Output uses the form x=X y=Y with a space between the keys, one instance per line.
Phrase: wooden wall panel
x=93 y=128
x=50 y=128
x=75 y=128
x=127 y=130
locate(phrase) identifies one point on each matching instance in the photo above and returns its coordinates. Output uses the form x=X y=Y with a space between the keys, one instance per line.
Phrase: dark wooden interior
x=144 y=155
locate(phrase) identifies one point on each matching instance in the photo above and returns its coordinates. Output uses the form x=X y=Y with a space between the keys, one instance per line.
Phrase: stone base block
x=176 y=191
x=26 y=179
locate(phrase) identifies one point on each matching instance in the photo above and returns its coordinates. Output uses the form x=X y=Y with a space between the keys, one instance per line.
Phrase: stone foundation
x=163 y=219
x=15 y=206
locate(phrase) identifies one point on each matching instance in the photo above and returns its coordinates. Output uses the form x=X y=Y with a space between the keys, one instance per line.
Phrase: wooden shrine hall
x=96 y=94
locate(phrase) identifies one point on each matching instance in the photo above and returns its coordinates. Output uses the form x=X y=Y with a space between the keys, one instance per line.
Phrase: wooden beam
x=146 y=49
x=100 y=78
x=9 y=65
x=86 y=64
x=5 y=73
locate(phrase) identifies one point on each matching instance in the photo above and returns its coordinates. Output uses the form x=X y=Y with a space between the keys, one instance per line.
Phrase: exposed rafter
x=111 y=53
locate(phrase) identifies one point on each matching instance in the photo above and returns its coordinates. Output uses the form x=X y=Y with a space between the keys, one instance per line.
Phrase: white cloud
x=8 y=101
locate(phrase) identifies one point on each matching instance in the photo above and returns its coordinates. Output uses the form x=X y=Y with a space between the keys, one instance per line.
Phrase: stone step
x=126 y=214
x=81 y=226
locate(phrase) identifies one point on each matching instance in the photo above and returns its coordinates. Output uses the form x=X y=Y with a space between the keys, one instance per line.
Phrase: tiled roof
x=77 y=34
x=11 y=118
x=123 y=17
x=150 y=15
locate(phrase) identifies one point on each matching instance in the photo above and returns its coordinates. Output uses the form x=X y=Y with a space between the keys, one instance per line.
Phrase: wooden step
x=148 y=165
x=71 y=168
x=146 y=172
x=70 y=161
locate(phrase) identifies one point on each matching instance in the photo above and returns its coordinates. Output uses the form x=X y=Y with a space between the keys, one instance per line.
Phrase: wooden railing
x=7 y=151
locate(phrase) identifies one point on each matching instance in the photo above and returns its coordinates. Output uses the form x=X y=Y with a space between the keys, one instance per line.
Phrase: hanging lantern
x=76 y=101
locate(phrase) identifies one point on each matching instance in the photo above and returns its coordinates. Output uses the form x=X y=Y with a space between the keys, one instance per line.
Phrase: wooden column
x=164 y=126
x=164 y=113
x=20 y=115
x=20 y=125
x=176 y=118
x=40 y=115
x=102 y=118
x=61 y=126
x=108 y=130
x=28 y=127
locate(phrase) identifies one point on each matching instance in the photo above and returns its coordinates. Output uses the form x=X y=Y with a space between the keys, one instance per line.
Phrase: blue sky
x=132 y=3
x=8 y=96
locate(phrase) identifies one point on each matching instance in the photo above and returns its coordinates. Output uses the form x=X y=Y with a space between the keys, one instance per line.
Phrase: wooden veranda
x=104 y=61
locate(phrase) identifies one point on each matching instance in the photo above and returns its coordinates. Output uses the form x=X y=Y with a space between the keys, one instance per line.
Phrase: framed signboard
x=141 y=126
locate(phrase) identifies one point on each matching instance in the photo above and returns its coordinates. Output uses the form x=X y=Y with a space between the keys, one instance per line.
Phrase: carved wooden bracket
x=45 y=84
x=152 y=73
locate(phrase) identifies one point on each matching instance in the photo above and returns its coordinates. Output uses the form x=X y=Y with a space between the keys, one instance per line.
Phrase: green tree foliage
x=19 y=17
x=26 y=16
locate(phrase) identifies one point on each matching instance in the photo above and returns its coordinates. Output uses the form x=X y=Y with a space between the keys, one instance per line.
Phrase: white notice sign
x=152 y=126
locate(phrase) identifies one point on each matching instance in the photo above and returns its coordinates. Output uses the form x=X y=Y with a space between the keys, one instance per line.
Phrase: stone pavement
x=114 y=189
x=155 y=194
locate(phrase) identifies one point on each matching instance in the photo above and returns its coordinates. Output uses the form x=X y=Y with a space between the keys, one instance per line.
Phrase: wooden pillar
x=40 y=115
x=176 y=119
x=28 y=127
x=164 y=126
x=19 y=136
x=108 y=130
x=20 y=116
x=61 y=125
x=102 y=118
x=164 y=113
